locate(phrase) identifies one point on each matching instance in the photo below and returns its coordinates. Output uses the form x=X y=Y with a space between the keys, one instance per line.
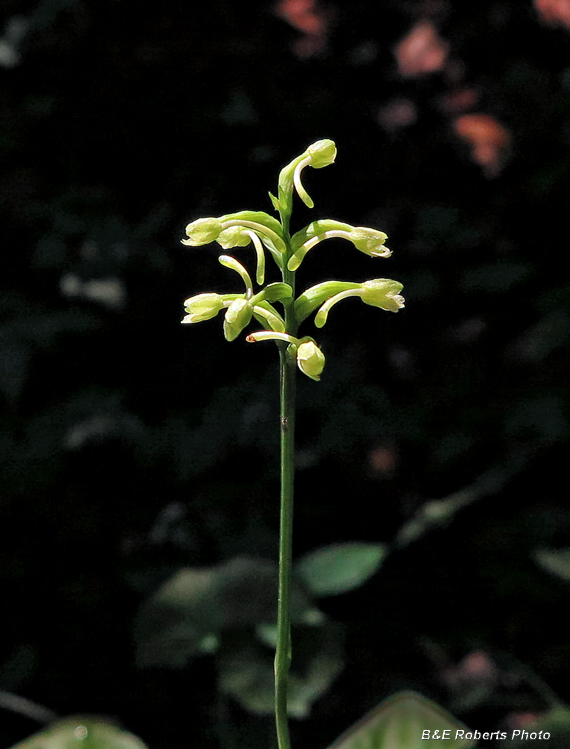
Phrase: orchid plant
x=267 y=234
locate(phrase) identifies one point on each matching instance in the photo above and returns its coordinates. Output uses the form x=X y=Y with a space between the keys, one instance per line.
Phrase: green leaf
x=555 y=561
x=436 y=513
x=79 y=732
x=402 y=722
x=176 y=619
x=340 y=567
x=246 y=669
x=186 y=614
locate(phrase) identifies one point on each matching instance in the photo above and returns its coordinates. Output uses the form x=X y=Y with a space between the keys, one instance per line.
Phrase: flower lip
x=370 y=241
x=202 y=307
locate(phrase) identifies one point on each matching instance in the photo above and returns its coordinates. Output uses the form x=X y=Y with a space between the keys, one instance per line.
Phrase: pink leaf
x=421 y=52
x=554 y=12
x=307 y=17
x=487 y=138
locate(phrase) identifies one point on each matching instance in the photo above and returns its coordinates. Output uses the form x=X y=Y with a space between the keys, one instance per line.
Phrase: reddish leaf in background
x=554 y=12
x=397 y=114
x=421 y=52
x=488 y=139
x=520 y=720
x=383 y=460
x=477 y=667
x=308 y=18
x=459 y=100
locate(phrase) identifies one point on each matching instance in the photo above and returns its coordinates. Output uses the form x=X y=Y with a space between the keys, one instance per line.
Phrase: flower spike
x=242 y=228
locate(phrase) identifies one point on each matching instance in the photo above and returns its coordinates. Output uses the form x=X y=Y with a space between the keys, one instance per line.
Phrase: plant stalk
x=288 y=372
x=283 y=649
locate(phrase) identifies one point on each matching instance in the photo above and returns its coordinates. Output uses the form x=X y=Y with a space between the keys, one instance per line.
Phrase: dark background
x=132 y=445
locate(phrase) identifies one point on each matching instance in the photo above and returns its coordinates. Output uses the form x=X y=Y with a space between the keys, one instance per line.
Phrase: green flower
x=383 y=293
x=238 y=230
x=318 y=155
x=380 y=292
x=240 y=308
x=369 y=241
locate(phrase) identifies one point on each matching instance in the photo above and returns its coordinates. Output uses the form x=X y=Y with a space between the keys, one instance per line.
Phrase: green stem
x=283 y=650
x=288 y=371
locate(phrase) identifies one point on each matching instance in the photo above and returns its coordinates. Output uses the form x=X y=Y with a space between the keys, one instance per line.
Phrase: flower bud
x=310 y=360
x=237 y=317
x=383 y=293
x=202 y=231
x=322 y=153
x=202 y=307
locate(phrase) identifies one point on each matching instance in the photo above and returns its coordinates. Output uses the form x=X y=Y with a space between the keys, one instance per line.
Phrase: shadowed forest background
x=133 y=446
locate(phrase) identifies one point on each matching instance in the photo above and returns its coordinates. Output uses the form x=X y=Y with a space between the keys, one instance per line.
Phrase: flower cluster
x=265 y=232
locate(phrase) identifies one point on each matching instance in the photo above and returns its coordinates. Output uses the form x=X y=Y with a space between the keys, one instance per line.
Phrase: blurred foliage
x=133 y=447
x=86 y=731
x=231 y=610
x=406 y=720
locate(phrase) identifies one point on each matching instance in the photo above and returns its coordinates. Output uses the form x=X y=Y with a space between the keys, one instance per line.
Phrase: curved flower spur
x=265 y=232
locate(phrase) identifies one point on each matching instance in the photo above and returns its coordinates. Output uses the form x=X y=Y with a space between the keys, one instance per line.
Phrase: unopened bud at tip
x=322 y=153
